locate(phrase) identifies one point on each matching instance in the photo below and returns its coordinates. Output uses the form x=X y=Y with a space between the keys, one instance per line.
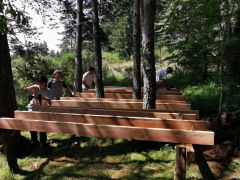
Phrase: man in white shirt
x=88 y=79
x=161 y=77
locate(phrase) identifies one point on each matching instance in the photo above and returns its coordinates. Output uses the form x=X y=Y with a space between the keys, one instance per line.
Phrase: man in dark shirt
x=57 y=86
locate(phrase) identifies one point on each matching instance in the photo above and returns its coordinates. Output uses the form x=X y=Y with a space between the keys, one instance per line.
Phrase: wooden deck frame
x=120 y=105
x=188 y=115
x=114 y=120
x=111 y=131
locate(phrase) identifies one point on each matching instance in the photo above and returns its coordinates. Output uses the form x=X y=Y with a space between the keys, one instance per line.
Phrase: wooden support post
x=181 y=156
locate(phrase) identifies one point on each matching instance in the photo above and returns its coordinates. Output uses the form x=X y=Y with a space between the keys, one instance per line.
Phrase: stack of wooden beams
x=118 y=116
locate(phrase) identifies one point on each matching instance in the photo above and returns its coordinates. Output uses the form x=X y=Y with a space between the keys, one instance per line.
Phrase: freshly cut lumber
x=181 y=157
x=111 y=131
x=120 y=105
x=91 y=94
x=189 y=115
x=122 y=100
x=129 y=90
x=114 y=120
x=190 y=153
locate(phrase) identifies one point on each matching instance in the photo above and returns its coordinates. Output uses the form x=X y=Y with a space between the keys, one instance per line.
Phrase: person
x=42 y=96
x=161 y=77
x=58 y=86
x=88 y=79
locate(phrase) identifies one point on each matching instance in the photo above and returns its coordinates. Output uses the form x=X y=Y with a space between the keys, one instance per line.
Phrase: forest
x=126 y=44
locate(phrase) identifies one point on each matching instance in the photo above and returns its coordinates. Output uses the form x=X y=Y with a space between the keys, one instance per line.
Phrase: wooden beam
x=114 y=120
x=120 y=105
x=123 y=89
x=116 y=100
x=173 y=97
x=180 y=168
x=115 y=112
x=111 y=131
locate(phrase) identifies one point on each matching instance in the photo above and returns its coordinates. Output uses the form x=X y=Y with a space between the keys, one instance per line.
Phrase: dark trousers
x=42 y=137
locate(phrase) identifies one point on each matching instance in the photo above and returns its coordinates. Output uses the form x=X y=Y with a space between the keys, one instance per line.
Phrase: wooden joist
x=187 y=115
x=117 y=100
x=121 y=89
x=114 y=120
x=111 y=131
x=91 y=94
x=120 y=105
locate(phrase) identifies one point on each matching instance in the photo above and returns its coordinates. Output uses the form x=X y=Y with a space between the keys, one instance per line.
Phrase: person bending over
x=161 y=77
x=88 y=79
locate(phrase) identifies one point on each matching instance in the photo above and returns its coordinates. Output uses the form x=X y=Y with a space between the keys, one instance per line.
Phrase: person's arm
x=67 y=89
x=50 y=85
x=85 y=84
x=31 y=89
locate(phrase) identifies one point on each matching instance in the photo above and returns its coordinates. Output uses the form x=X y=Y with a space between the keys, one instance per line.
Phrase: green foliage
x=65 y=63
x=195 y=25
x=119 y=32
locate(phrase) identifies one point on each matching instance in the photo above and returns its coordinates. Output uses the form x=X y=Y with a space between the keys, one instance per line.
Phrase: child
x=57 y=86
x=41 y=96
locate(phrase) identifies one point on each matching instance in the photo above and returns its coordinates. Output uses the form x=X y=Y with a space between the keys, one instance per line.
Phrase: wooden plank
x=114 y=120
x=88 y=94
x=122 y=89
x=120 y=105
x=124 y=109
x=114 y=100
x=191 y=115
x=111 y=131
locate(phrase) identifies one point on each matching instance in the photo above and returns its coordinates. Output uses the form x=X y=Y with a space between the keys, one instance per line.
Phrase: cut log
x=120 y=105
x=111 y=131
x=114 y=120
x=188 y=115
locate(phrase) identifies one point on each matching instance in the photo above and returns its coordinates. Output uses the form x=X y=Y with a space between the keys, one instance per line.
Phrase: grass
x=97 y=159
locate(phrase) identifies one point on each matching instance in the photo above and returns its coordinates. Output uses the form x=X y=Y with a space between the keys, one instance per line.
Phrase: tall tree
x=78 y=59
x=231 y=52
x=149 y=100
x=7 y=94
x=68 y=19
x=97 y=47
x=136 y=51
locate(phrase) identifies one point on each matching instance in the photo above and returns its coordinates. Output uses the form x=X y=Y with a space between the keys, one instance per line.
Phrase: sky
x=49 y=35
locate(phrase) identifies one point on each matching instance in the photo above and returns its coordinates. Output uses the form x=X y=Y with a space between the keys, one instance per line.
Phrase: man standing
x=161 y=76
x=88 y=79
x=57 y=86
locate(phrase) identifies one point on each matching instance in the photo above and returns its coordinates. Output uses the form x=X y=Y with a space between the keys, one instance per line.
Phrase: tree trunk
x=136 y=51
x=78 y=59
x=231 y=52
x=7 y=102
x=149 y=100
x=97 y=47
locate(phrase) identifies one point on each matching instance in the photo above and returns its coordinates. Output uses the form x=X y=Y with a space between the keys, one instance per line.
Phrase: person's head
x=57 y=75
x=169 y=70
x=91 y=70
x=42 y=82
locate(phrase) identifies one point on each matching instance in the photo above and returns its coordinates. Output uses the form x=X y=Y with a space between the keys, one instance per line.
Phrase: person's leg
x=43 y=138
x=34 y=138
